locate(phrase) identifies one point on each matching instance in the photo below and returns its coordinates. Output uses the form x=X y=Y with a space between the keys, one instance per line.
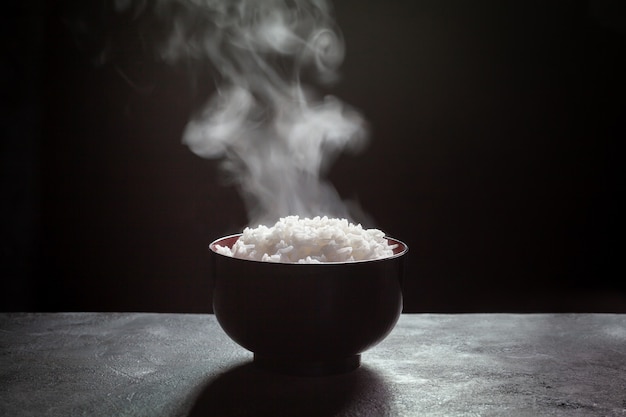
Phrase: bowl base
x=288 y=366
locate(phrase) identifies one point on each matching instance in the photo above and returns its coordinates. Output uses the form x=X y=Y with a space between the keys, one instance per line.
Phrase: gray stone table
x=137 y=364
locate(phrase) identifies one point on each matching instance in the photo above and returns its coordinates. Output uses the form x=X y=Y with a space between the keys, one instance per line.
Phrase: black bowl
x=311 y=319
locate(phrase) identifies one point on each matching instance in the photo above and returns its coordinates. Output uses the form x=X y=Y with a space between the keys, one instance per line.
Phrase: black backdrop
x=497 y=154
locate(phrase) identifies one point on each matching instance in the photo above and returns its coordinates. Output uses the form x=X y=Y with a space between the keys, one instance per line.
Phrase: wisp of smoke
x=275 y=136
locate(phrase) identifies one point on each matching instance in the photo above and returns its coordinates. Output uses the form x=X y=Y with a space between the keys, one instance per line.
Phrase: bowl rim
x=405 y=249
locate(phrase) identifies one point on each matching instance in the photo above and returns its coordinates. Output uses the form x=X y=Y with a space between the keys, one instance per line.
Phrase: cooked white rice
x=316 y=240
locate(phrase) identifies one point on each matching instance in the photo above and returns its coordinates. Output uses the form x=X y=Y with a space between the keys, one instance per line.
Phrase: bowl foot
x=289 y=366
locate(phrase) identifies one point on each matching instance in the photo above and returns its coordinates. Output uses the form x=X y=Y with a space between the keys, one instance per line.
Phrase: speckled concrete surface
x=138 y=364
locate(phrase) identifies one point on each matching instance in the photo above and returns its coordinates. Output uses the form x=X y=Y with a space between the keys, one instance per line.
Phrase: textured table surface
x=137 y=364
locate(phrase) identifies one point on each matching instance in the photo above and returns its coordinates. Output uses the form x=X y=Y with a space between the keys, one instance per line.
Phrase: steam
x=274 y=135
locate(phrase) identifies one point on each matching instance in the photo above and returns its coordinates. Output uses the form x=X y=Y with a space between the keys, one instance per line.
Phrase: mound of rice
x=316 y=240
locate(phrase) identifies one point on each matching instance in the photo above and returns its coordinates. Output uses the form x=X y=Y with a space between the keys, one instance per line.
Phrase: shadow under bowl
x=307 y=319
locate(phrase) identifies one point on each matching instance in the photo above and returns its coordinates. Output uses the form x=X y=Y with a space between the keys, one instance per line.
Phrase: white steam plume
x=275 y=137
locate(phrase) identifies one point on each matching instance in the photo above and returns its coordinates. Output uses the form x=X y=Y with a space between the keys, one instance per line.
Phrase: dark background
x=497 y=155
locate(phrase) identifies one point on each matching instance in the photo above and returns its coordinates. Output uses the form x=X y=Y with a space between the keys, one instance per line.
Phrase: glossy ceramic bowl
x=311 y=319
